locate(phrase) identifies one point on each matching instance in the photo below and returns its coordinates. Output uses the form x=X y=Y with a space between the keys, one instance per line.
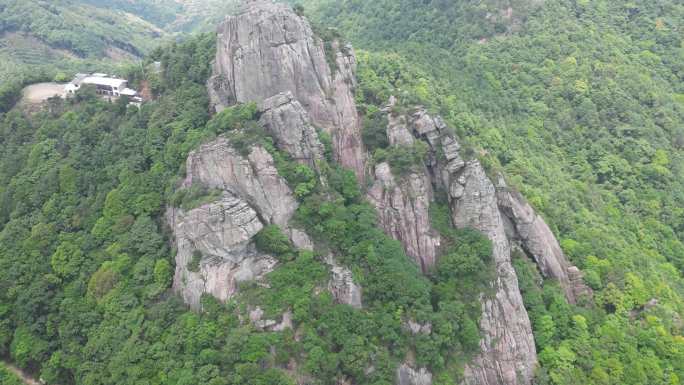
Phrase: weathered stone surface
x=398 y=133
x=267 y=49
x=286 y=120
x=418 y=328
x=253 y=178
x=256 y=318
x=536 y=239
x=406 y=375
x=254 y=195
x=403 y=212
x=301 y=240
x=508 y=353
x=342 y=285
x=221 y=231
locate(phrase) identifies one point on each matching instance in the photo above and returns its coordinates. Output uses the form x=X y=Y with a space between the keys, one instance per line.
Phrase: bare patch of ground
x=38 y=93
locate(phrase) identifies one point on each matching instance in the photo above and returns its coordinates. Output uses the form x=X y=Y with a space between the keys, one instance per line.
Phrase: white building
x=104 y=85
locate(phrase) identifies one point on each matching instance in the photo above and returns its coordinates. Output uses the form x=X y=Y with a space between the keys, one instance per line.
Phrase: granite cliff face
x=267 y=49
x=406 y=375
x=534 y=237
x=508 y=352
x=289 y=124
x=269 y=55
x=254 y=178
x=403 y=212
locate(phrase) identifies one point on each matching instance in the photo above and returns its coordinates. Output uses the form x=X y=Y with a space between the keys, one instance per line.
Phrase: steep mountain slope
x=288 y=210
x=579 y=103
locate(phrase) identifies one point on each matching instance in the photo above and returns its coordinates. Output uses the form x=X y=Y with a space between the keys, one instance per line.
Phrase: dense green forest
x=85 y=266
x=64 y=36
x=7 y=377
x=581 y=105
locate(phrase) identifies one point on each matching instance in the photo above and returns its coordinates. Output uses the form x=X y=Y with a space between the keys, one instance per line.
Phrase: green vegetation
x=195 y=196
x=69 y=36
x=403 y=159
x=7 y=377
x=579 y=103
x=233 y=118
x=271 y=240
x=84 y=262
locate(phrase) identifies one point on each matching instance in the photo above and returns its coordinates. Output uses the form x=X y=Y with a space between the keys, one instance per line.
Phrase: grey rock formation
x=536 y=239
x=221 y=231
x=418 y=328
x=286 y=120
x=254 y=195
x=254 y=178
x=342 y=285
x=406 y=375
x=256 y=318
x=267 y=49
x=403 y=211
x=398 y=133
x=508 y=354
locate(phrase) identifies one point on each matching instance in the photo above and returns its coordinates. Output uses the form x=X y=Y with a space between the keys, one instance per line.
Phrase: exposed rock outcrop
x=254 y=178
x=286 y=120
x=342 y=285
x=406 y=375
x=534 y=236
x=256 y=318
x=403 y=212
x=221 y=233
x=267 y=49
x=508 y=354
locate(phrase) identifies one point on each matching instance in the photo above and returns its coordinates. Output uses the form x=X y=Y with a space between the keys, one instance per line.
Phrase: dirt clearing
x=38 y=93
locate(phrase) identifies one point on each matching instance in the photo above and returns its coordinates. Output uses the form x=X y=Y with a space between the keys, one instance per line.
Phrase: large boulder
x=267 y=49
x=220 y=235
x=253 y=177
x=406 y=375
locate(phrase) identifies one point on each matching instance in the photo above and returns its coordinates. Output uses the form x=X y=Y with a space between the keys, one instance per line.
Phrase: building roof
x=112 y=82
x=128 y=92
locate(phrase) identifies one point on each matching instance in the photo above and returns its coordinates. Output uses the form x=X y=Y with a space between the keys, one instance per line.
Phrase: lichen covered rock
x=288 y=123
x=254 y=178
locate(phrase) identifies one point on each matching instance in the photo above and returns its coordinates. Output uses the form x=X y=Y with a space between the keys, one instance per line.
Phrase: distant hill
x=44 y=37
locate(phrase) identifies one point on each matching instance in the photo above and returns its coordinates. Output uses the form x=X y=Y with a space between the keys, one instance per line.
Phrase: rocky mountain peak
x=267 y=49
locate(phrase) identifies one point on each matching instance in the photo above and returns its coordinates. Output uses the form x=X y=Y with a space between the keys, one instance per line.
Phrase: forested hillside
x=40 y=39
x=580 y=104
